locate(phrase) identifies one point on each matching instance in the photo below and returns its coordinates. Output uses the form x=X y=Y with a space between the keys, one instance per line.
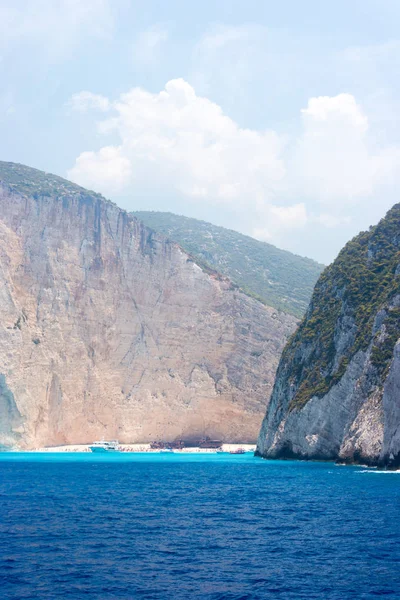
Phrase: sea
x=195 y=526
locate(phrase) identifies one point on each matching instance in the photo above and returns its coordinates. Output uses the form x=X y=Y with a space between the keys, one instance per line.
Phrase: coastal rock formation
x=108 y=329
x=337 y=389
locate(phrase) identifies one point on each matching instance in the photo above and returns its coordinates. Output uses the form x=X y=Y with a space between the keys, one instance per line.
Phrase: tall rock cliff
x=337 y=389
x=108 y=329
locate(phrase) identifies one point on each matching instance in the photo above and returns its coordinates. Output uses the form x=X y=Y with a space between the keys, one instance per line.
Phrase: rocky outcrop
x=108 y=329
x=337 y=389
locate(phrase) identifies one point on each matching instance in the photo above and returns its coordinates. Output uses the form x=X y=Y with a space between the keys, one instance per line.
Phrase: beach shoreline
x=146 y=448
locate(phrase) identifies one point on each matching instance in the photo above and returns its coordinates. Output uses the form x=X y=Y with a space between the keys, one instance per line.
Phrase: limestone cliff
x=108 y=329
x=337 y=390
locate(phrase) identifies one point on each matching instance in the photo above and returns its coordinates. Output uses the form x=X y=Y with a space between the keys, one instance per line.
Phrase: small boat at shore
x=238 y=451
x=103 y=446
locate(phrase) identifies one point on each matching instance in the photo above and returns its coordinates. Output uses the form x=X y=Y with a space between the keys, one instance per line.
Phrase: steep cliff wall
x=108 y=329
x=337 y=389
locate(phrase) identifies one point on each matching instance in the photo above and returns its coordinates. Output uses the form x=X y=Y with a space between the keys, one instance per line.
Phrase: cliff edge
x=337 y=389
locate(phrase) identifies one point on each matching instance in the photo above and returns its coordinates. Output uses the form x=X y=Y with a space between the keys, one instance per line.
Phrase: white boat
x=103 y=446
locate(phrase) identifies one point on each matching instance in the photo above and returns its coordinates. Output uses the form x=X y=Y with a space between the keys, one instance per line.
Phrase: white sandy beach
x=146 y=448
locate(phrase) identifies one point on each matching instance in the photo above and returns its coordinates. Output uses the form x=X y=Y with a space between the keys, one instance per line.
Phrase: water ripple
x=205 y=527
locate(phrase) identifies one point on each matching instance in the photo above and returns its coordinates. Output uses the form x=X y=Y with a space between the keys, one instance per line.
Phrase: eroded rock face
x=347 y=423
x=337 y=389
x=107 y=329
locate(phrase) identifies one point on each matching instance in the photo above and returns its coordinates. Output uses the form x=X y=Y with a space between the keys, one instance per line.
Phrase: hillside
x=35 y=183
x=277 y=277
x=337 y=389
x=110 y=330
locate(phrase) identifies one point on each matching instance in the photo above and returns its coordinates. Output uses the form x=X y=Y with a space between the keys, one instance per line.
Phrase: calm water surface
x=215 y=527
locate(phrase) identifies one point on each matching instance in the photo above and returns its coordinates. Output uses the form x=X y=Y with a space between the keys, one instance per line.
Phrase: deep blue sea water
x=215 y=527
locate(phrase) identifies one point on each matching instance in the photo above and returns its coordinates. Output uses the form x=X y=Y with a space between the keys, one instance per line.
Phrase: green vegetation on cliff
x=352 y=294
x=276 y=277
x=32 y=182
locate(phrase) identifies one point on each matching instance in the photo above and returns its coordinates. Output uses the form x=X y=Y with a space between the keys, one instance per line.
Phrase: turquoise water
x=198 y=526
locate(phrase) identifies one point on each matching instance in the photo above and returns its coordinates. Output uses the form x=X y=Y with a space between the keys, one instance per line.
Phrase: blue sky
x=280 y=120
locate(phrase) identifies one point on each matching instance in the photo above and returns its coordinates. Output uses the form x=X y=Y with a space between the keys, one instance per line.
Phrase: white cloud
x=107 y=170
x=222 y=35
x=148 y=44
x=53 y=26
x=263 y=234
x=176 y=143
x=290 y=217
x=228 y=58
x=337 y=109
x=280 y=220
x=334 y=160
x=84 y=101
x=372 y=71
x=331 y=221
x=185 y=142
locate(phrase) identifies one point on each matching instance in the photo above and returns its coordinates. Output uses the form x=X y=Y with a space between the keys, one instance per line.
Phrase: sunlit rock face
x=337 y=388
x=108 y=329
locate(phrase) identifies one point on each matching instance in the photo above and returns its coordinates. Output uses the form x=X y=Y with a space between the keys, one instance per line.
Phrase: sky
x=280 y=120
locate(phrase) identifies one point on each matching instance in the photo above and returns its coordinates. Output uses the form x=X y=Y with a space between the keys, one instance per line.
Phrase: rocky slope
x=108 y=329
x=337 y=390
x=276 y=277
